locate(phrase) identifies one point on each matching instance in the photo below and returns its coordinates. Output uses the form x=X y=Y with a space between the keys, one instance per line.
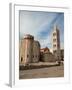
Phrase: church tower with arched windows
x=56 y=42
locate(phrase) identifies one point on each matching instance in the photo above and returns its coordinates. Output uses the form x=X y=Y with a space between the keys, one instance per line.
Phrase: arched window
x=54 y=45
x=21 y=59
x=27 y=55
x=36 y=56
x=33 y=56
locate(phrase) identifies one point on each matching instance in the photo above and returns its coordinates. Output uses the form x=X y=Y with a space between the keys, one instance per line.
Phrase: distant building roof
x=28 y=36
x=46 y=49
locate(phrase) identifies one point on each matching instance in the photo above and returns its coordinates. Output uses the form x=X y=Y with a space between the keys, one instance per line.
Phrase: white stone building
x=56 y=42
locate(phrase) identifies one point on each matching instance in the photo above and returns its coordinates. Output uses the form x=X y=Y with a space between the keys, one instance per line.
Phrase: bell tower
x=56 y=42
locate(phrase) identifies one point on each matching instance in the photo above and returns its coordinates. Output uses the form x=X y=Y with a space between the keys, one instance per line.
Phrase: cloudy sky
x=40 y=25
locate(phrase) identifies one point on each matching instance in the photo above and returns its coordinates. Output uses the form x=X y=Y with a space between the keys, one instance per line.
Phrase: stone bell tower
x=56 y=42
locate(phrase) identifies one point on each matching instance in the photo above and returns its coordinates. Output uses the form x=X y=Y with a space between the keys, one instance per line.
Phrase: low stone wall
x=37 y=65
x=48 y=57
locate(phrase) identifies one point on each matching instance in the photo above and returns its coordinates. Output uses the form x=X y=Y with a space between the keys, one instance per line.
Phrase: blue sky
x=40 y=25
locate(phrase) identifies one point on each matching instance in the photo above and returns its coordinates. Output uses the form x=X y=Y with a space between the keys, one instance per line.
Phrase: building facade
x=36 y=51
x=62 y=54
x=29 y=50
x=46 y=55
